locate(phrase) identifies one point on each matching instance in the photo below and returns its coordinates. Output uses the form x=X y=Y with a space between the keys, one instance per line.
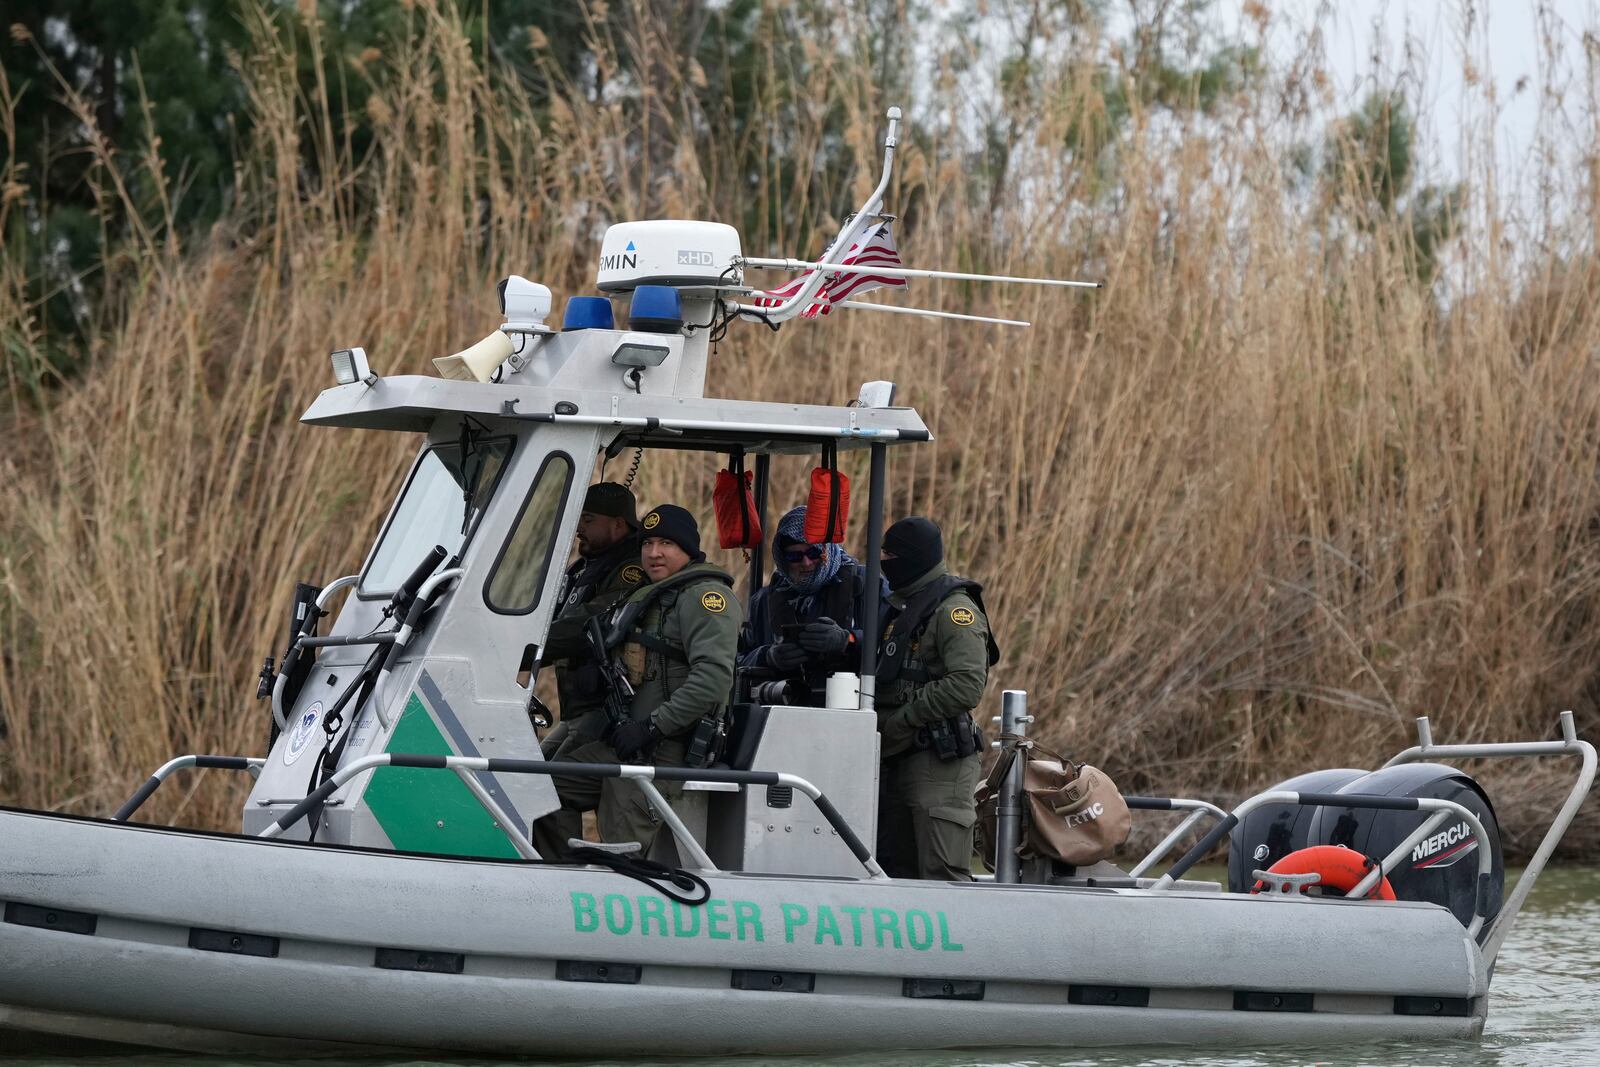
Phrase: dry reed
x=1243 y=512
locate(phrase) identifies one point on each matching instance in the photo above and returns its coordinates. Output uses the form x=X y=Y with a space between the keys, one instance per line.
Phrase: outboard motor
x=1443 y=868
x=1268 y=834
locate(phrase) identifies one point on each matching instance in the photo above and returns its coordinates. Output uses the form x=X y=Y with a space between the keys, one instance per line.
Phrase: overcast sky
x=1442 y=46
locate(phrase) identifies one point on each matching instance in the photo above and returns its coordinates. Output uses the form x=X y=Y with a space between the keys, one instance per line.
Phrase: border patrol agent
x=933 y=663
x=606 y=571
x=675 y=639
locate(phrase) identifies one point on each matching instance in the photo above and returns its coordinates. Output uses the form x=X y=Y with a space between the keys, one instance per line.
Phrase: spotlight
x=640 y=350
x=875 y=395
x=525 y=305
x=350 y=366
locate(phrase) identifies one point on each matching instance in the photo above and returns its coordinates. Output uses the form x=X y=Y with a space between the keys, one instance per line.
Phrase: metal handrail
x=402 y=637
x=1569 y=745
x=1197 y=810
x=385 y=638
x=163 y=772
x=1348 y=800
x=644 y=775
x=1425 y=749
x=278 y=714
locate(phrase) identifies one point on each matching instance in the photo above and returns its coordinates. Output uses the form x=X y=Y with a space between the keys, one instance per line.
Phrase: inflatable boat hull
x=186 y=940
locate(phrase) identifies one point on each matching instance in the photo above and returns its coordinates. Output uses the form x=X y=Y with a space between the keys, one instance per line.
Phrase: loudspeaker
x=478 y=362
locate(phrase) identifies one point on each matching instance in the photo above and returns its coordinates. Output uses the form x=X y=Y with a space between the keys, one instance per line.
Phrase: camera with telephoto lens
x=777 y=691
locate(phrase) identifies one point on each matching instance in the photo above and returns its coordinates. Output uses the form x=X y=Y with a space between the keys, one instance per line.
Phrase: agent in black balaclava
x=917 y=547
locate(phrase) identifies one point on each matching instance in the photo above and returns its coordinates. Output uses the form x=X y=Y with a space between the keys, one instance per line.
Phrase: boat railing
x=252 y=764
x=1442 y=810
x=467 y=768
x=279 y=716
x=1569 y=745
x=1197 y=809
x=1013 y=721
x=1495 y=934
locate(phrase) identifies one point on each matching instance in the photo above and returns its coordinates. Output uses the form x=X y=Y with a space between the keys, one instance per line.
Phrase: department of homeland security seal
x=300 y=735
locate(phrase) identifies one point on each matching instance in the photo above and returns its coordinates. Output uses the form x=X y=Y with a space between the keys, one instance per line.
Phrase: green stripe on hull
x=430 y=810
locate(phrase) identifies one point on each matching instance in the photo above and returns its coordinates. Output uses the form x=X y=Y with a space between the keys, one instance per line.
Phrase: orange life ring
x=1341 y=868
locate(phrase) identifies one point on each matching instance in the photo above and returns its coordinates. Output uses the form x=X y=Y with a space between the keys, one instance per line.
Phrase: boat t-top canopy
x=413 y=403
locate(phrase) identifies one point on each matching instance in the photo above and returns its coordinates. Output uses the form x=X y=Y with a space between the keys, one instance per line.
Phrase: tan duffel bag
x=1073 y=812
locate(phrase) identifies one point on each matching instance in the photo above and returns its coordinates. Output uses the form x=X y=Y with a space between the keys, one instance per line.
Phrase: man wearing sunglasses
x=805 y=624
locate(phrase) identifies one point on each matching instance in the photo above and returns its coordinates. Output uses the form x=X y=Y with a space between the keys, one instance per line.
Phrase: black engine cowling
x=1442 y=869
x=1270 y=833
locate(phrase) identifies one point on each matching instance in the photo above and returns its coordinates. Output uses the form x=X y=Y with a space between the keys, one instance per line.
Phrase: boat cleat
x=1275 y=884
x=616 y=848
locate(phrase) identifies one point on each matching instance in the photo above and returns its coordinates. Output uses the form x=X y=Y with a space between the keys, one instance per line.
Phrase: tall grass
x=1245 y=511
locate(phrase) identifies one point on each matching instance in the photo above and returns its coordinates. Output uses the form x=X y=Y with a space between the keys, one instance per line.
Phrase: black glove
x=786 y=656
x=824 y=638
x=634 y=739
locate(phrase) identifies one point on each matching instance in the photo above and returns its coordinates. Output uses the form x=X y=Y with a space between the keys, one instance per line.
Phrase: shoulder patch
x=713 y=602
x=633 y=574
x=963 y=616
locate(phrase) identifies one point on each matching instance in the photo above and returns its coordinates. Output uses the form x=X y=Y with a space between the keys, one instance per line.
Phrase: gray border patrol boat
x=383 y=892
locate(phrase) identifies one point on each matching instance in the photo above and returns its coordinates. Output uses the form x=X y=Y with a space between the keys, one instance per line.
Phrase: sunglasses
x=795 y=555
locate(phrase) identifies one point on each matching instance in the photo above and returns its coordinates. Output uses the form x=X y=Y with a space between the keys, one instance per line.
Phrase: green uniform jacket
x=702 y=617
x=567 y=646
x=953 y=649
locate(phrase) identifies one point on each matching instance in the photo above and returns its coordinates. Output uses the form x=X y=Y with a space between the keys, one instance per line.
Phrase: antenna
x=852 y=229
x=827 y=267
x=861 y=305
x=907 y=272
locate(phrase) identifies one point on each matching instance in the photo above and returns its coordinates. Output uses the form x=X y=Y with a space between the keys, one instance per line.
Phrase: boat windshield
x=441 y=505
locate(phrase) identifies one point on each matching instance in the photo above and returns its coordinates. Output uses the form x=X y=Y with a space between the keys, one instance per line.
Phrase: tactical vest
x=639 y=644
x=906 y=627
x=578 y=679
x=586 y=575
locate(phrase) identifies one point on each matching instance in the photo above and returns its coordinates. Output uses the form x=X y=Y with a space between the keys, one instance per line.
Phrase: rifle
x=618 y=690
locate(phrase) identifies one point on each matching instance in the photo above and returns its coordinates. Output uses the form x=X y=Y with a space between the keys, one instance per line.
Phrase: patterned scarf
x=802 y=594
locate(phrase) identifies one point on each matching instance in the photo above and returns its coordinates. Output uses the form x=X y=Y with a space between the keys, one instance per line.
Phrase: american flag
x=875 y=250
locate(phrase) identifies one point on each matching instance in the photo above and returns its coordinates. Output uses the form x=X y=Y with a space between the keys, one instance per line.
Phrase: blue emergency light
x=656 y=309
x=587 y=313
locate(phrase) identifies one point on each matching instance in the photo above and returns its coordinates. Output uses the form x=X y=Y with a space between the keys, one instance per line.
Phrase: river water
x=1544 y=1009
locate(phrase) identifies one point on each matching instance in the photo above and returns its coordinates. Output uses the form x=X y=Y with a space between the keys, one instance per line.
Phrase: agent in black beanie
x=912 y=547
x=674 y=524
x=678 y=655
x=613 y=501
